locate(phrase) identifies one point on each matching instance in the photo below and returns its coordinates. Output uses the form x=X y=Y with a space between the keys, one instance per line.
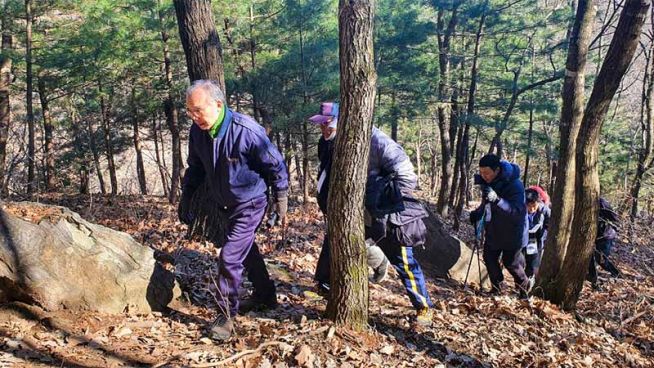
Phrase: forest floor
x=614 y=326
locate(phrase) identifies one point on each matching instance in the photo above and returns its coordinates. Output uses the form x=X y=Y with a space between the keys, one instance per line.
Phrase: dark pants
x=532 y=262
x=240 y=252
x=601 y=257
x=402 y=260
x=514 y=262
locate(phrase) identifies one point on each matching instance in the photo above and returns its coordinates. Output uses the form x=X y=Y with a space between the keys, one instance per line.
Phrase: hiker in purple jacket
x=232 y=152
x=504 y=214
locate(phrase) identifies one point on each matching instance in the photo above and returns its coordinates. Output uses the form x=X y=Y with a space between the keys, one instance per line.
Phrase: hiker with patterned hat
x=394 y=224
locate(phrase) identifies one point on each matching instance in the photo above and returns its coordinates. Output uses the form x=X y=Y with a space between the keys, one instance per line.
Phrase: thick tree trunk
x=136 y=136
x=582 y=241
x=197 y=30
x=171 y=112
x=5 y=83
x=106 y=129
x=48 y=129
x=306 y=176
x=31 y=140
x=571 y=116
x=348 y=303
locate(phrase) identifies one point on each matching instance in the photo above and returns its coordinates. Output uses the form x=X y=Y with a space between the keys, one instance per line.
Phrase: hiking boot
x=255 y=304
x=222 y=328
x=532 y=282
x=523 y=295
x=322 y=289
x=380 y=272
x=424 y=317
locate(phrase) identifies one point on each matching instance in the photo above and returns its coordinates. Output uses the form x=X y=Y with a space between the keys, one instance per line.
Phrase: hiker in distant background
x=536 y=213
x=504 y=214
x=607 y=227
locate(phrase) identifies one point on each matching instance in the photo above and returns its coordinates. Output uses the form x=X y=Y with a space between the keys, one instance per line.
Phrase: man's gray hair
x=208 y=85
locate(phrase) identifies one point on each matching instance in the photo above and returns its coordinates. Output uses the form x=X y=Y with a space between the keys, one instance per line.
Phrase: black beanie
x=490 y=160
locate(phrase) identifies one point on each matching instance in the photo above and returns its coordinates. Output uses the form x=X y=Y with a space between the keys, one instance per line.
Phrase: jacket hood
x=509 y=171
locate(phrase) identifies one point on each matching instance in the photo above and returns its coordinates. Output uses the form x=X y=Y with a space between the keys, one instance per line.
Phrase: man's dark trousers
x=238 y=252
x=514 y=262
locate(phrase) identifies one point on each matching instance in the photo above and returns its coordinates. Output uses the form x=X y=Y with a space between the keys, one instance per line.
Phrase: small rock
x=206 y=341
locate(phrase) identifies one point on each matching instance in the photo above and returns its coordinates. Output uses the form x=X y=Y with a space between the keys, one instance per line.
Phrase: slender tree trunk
x=571 y=116
x=348 y=303
x=48 y=129
x=466 y=162
x=529 y=136
x=160 y=165
x=31 y=140
x=5 y=83
x=444 y=38
x=104 y=117
x=305 y=129
x=419 y=154
x=197 y=30
x=646 y=149
x=172 y=114
x=96 y=157
x=136 y=136
x=394 y=116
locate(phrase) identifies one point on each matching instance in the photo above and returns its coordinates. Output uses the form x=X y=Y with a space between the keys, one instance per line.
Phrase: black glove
x=280 y=204
x=474 y=217
x=490 y=195
x=184 y=210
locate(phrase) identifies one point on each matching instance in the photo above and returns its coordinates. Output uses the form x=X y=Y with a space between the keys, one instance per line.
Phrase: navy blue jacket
x=507 y=227
x=240 y=163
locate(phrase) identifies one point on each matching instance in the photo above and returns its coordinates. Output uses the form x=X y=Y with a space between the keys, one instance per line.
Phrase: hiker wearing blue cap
x=392 y=232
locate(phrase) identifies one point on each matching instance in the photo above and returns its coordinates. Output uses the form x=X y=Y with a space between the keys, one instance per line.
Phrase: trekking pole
x=479 y=228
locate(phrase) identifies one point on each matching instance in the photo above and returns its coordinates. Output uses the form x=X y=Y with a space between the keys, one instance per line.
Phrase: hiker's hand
x=280 y=205
x=490 y=195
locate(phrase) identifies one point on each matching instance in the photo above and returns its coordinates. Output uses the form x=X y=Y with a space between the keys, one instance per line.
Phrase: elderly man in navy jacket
x=504 y=213
x=232 y=152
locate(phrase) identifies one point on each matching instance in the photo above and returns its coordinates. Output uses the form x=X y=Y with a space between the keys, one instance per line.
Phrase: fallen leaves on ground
x=468 y=330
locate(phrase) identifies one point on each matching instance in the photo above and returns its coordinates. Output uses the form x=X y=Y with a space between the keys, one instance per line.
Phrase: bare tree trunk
x=104 y=118
x=140 y=168
x=31 y=140
x=571 y=116
x=582 y=241
x=48 y=129
x=646 y=149
x=6 y=79
x=96 y=156
x=348 y=302
x=172 y=115
x=465 y=163
x=419 y=154
x=197 y=30
x=157 y=157
x=530 y=131
x=444 y=38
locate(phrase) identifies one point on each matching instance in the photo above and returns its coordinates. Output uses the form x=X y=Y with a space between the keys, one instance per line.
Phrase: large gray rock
x=56 y=259
x=446 y=256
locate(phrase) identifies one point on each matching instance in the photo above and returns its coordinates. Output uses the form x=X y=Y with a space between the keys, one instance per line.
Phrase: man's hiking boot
x=380 y=272
x=322 y=289
x=256 y=304
x=424 y=317
x=222 y=328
